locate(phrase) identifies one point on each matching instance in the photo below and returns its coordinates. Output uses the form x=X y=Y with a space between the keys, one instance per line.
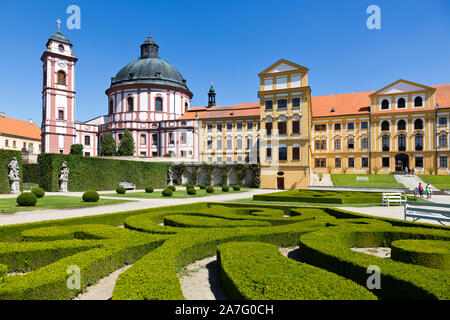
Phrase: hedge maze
x=160 y=242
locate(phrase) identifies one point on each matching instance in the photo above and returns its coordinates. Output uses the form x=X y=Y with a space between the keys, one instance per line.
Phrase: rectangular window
x=210 y=128
x=365 y=162
x=229 y=144
x=210 y=144
x=317 y=144
x=443 y=140
x=350 y=126
x=269 y=104
x=282 y=128
x=155 y=139
x=337 y=127
x=295 y=153
x=229 y=126
x=219 y=128
x=183 y=138
x=282 y=154
x=320 y=127
x=337 y=144
x=249 y=143
x=239 y=127
x=219 y=145
x=351 y=143
x=171 y=138
x=268 y=153
x=443 y=162
x=295 y=102
x=337 y=162
x=296 y=126
x=385 y=162
x=60 y=115
x=364 y=143
x=323 y=162
x=239 y=144
x=323 y=144
x=87 y=154
x=143 y=154
x=351 y=162
x=6 y=143
x=419 y=162
x=364 y=125
x=443 y=121
x=269 y=128
x=317 y=162
x=143 y=139
x=282 y=104
x=14 y=144
x=249 y=126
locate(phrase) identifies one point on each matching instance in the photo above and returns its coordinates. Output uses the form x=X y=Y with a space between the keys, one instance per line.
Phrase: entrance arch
x=401 y=162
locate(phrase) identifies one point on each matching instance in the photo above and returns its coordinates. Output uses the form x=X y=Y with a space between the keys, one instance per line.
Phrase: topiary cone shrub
x=90 y=196
x=191 y=191
x=225 y=188
x=210 y=189
x=121 y=190
x=38 y=192
x=167 y=192
x=236 y=187
x=202 y=186
x=172 y=188
x=26 y=199
x=149 y=190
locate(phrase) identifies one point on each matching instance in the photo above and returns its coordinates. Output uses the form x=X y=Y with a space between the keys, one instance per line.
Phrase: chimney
x=30 y=121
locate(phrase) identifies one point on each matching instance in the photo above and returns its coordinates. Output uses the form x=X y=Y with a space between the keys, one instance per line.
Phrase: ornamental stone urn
x=13 y=175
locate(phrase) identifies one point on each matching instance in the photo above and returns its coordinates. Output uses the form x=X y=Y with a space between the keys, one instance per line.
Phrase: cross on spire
x=59 y=25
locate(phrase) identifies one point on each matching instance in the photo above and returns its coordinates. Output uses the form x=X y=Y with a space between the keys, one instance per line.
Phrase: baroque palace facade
x=288 y=132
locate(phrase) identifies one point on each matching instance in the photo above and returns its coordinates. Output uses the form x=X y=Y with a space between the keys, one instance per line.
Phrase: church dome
x=60 y=38
x=149 y=69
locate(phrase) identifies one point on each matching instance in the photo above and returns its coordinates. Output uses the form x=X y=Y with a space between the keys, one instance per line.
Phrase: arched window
x=401 y=142
x=419 y=142
x=143 y=139
x=385 y=104
x=111 y=106
x=130 y=104
x=401 y=125
x=401 y=103
x=418 y=124
x=385 y=126
x=62 y=78
x=61 y=115
x=186 y=107
x=418 y=102
x=385 y=142
x=158 y=104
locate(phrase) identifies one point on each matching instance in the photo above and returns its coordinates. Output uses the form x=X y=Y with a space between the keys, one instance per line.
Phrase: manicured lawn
x=179 y=193
x=53 y=202
x=375 y=181
x=440 y=182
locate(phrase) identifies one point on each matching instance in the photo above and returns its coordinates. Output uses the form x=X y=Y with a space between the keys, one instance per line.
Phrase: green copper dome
x=60 y=38
x=149 y=69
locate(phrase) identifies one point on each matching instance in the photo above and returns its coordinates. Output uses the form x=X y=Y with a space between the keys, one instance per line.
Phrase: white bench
x=427 y=210
x=393 y=197
x=127 y=185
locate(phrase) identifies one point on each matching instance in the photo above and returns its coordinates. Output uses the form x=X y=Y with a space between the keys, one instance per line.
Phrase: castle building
x=288 y=132
x=19 y=135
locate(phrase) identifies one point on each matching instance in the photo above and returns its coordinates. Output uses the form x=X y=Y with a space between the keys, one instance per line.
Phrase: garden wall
x=99 y=174
x=5 y=158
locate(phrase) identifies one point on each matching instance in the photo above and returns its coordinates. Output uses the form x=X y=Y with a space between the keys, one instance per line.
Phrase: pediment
x=284 y=66
x=402 y=86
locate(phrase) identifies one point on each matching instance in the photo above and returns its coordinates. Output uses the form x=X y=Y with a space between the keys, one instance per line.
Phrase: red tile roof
x=237 y=111
x=192 y=113
x=19 y=128
x=443 y=95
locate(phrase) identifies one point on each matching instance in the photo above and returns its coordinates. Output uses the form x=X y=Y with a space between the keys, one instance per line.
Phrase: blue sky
x=228 y=42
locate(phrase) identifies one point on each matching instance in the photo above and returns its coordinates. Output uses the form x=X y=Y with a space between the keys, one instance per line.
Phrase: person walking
x=412 y=172
x=406 y=171
x=420 y=189
x=428 y=190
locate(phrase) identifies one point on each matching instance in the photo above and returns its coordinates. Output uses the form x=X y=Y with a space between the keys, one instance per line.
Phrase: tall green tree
x=76 y=149
x=108 y=145
x=126 y=145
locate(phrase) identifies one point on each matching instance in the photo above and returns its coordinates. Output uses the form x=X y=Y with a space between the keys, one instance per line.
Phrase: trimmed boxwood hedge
x=167 y=192
x=186 y=221
x=5 y=158
x=99 y=173
x=191 y=191
x=121 y=190
x=26 y=199
x=90 y=196
x=38 y=192
x=428 y=253
x=149 y=189
x=258 y=271
x=31 y=172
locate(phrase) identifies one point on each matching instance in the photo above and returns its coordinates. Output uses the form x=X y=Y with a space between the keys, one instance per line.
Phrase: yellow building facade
x=285 y=126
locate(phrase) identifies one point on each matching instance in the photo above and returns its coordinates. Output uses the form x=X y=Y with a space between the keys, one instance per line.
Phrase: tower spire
x=211 y=96
x=59 y=25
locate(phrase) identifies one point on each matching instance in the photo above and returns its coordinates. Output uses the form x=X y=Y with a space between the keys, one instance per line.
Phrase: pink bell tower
x=58 y=95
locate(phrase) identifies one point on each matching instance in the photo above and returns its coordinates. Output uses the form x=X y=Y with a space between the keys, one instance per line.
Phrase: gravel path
x=380 y=252
x=103 y=289
x=201 y=281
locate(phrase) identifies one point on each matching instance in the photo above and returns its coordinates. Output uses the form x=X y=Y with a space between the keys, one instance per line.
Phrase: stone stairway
x=411 y=182
x=325 y=182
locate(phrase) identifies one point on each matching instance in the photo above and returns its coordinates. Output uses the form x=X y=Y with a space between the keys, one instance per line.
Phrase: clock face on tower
x=61 y=63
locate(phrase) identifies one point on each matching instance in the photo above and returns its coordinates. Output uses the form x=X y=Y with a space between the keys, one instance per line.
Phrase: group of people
x=409 y=172
x=420 y=189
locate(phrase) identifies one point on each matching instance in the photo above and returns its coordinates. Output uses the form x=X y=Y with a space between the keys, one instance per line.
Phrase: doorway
x=401 y=162
x=280 y=183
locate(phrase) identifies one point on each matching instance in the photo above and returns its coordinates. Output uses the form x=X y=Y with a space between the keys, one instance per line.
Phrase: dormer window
x=401 y=103
x=62 y=78
x=61 y=48
x=385 y=104
x=418 y=102
x=131 y=76
x=332 y=109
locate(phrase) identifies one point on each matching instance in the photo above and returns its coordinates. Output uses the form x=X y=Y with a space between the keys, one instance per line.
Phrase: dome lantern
x=149 y=49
